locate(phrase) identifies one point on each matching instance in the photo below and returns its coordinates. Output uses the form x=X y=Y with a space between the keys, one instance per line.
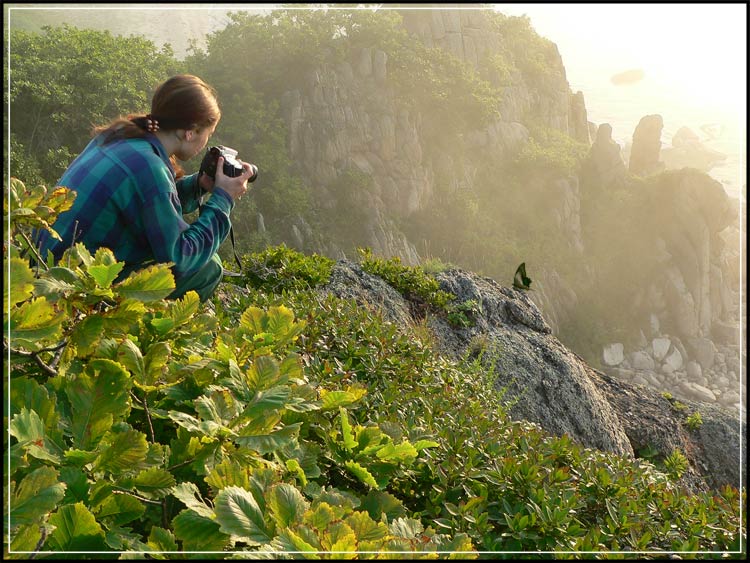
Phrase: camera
x=232 y=167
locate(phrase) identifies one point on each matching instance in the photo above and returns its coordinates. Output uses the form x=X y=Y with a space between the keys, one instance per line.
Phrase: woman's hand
x=235 y=187
x=206 y=182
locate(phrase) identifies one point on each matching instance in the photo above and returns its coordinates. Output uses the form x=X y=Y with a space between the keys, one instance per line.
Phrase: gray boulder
x=547 y=384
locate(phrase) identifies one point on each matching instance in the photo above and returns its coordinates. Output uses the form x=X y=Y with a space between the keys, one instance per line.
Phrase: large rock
x=612 y=355
x=553 y=387
x=644 y=155
x=688 y=150
x=651 y=421
x=604 y=165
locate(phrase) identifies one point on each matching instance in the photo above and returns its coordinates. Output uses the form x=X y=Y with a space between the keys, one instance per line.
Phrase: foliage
x=420 y=288
x=535 y=56
x=143 y=425
x=694 y=421
x=676 y=464
x=552 y=150
x=411 y=282
x=66 y=81
x=281 y=268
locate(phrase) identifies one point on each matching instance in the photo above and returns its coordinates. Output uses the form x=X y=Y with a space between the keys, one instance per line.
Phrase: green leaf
x=190 y=496
x=264 y=373
x=322 y=516
x=28 y=429
x=25 y=538
x=335 y=399
x=252 y=320
x=76 y=529
x=151 y=284
x=406 y=528
x=127 y=451
x=36 y=496
x=87 y=334
x=154 y=482
x=21 y=283
x=182 y=310
x=120 y=509
x=104 y=275
x=420 y=445
x=263 y=401
x=238 y=514
x=402 y=453
x=27 y=393
x=129 y=355
x=268 y=443
x=339 y=537
x=365 y=528
x=227 y=473
x=287 y=505
x=377 y=503
x=127 y=314
x=361 y=473
x=289 y=541
x=198 y=533
x=156 y=361
x=346 y=431
x=34 y=324
x=161 y=540
x=280 y=320
x=98 y=398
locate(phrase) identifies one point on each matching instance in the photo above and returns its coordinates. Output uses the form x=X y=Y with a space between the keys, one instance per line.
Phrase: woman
x=131 y=193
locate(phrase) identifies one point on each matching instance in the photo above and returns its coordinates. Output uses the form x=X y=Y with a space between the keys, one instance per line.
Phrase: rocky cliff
x=347 y=117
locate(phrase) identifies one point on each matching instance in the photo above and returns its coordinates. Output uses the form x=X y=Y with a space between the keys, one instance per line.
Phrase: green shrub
x=694 y=421
x=281 y=268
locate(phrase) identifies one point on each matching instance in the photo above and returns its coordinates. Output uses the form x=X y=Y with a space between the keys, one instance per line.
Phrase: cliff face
x=347 y=118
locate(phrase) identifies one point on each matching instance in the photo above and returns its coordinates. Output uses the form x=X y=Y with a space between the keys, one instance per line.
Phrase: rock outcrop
x=549 y=385
x=688 y=151
x=644 y=155
x=604 y=165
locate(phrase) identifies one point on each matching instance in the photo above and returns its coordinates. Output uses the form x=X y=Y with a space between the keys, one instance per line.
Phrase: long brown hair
x=181 y=102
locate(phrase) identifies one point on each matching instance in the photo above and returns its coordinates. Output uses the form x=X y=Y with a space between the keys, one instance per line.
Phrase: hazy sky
x=699 y=49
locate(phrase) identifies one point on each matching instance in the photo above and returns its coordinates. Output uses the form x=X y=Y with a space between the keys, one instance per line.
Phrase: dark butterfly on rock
x=520 y=281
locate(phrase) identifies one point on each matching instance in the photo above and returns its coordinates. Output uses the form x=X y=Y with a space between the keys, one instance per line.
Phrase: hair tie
x=147 y=123
x=152 y=124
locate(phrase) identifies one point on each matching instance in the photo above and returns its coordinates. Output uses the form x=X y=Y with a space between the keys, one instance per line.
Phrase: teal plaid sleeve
x=127 y=200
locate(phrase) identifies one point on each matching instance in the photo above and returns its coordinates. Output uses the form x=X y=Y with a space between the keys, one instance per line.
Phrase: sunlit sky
x=698 y=50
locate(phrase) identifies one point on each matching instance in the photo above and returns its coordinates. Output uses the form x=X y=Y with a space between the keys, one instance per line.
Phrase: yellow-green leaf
x=37 y=495
x=238 y=514
x=287 y=505
x=21 y=286
x=151 y=284
x=76 y=529
x=127 y=450
x=361 y=473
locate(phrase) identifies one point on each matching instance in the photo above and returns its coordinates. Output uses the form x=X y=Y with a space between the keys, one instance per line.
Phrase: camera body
x=232 y=167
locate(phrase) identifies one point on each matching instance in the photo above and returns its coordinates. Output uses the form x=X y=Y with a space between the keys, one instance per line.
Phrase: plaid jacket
x=127 y=200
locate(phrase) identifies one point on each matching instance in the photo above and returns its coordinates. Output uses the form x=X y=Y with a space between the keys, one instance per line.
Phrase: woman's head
x=184 y=105
x=185 y=102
